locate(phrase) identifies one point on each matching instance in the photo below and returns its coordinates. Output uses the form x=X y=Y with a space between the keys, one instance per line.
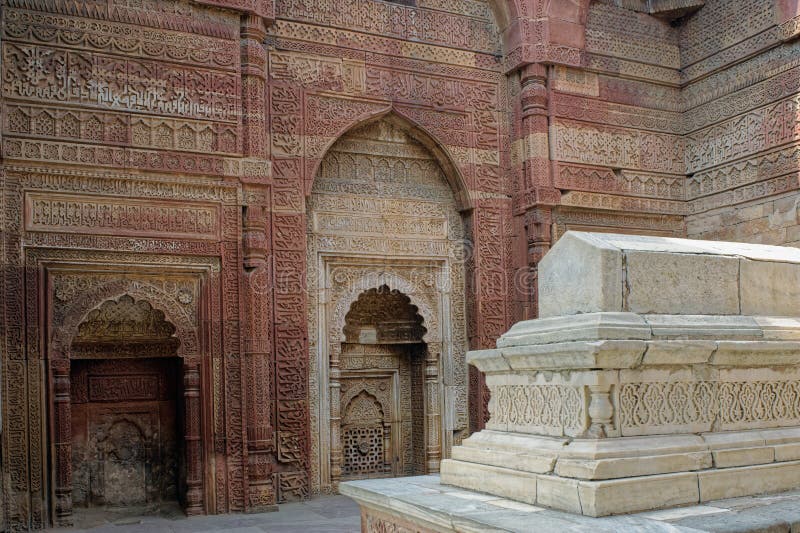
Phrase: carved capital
x=533 y=81
x=538 y=231
x=253 y=53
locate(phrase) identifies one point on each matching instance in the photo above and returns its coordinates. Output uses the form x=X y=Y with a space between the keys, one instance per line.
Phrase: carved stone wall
x=168 y=150
x=383 y=365
x=383 y=225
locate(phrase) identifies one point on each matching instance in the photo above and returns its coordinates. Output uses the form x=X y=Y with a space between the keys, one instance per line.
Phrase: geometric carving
x=92 y=215
x=617 y=148
x=473 y=29
x=111 y=113
x=133 y=327
x=551 y=409
x=380 y=207
x=107 y=388
x=50 y=74
x=332 y=74
x=383 y=410
x=363 y=437
x=126 y=125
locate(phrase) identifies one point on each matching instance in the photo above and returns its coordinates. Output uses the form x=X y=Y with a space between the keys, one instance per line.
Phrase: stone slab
x=770 y=288
x=743 y=457
x=514 y=484
x=628 y=340
x=587 y=326
x=681 y=283
x=746 y=480
x=323 y=514
x=593 y=272
x=574 y=258
x=448 y=512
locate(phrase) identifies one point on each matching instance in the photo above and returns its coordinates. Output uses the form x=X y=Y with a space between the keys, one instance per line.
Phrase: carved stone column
x=254 y=71
x=433 y=416
x=538 y=194
x=255 y=175
x=62 y=440
x=538 y=222
x=194 y=448
x=258 y=356
x=335 y=388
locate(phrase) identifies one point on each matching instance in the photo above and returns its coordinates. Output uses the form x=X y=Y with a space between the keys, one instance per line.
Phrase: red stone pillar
x=192 y=436
x=537 y=195
x=257 y=276
x=62 y=440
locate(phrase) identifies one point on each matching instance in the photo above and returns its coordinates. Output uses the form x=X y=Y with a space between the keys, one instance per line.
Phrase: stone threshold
x=431 y=506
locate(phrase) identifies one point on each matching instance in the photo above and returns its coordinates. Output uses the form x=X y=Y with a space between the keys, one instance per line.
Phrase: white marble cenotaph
x=661 y=372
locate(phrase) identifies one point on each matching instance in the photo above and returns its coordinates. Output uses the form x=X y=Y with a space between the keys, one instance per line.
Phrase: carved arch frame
x=188 y=311
x=418 y=131
x=439 y=307
x=434 y=307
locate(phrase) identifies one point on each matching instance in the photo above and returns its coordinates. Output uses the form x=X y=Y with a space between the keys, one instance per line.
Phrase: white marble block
x=662 y=372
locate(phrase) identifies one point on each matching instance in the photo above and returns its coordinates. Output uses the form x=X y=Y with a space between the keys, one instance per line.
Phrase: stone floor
x=328 y=514
x=339 y=514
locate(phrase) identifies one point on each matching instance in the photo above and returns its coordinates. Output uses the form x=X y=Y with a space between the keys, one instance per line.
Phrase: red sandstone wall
x=742 y=119
x=165 y=149
x=123 y=140
x=615 y=132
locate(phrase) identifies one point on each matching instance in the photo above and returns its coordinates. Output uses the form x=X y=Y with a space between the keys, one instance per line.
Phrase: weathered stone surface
x=720 y=383
x=767 y=285
x=626 y=495
x=427 y=505
x=747 y=480
x=236 y=163
x=743 y=457
x=562 y=290
x=687 y=284
x=514 y=484
x=652 y=276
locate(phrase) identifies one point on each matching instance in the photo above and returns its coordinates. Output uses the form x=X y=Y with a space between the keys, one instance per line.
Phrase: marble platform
x=422 y=504
x=662 y=372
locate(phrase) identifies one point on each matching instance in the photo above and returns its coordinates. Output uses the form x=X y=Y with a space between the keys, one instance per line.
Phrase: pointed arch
x=125 y=326
x=416 y=131
x=368 y=407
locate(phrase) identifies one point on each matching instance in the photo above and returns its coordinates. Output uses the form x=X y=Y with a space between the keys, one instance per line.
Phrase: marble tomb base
x=661 y=373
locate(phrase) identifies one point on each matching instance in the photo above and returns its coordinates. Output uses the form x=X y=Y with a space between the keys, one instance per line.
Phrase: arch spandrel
x=396 y=281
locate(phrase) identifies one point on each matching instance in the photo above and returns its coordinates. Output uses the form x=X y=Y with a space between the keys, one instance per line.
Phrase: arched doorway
x=383 y=387
x=121 y=399
x=382 y=212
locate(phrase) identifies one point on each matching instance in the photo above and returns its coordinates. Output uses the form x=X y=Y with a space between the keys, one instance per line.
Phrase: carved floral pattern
x=646 y=407
x=554 y=407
